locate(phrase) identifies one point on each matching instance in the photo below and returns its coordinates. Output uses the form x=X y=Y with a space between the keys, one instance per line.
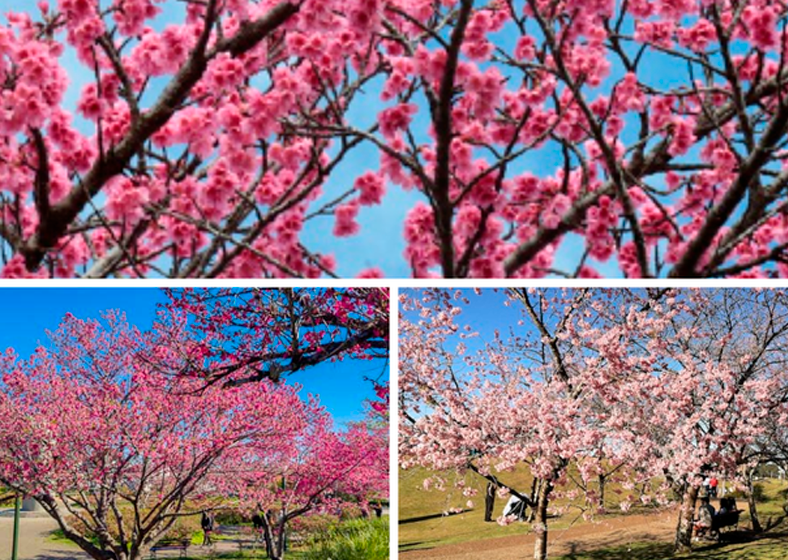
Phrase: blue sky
x=381 y=242
x=29 y=312
x=485 y=314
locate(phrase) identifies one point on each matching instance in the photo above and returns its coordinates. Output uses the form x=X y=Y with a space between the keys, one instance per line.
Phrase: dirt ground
x=614 y=531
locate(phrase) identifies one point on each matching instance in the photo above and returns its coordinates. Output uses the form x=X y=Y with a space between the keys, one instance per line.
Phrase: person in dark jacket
x=207 y=527
x=259 y=525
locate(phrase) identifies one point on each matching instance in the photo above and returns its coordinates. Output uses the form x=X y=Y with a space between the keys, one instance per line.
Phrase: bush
x=230 y=517
x=184 y=529
x=359 y=539
x=316 y=524
x=759 y=493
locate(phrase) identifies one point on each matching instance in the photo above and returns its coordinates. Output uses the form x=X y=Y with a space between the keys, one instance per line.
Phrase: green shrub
x=758 y=492
x=230 y=517
x=358 y=539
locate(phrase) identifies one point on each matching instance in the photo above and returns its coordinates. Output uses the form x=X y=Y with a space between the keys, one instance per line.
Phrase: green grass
x=421 y=520
x=422 y=524
x=359 y=539
x=770 y=546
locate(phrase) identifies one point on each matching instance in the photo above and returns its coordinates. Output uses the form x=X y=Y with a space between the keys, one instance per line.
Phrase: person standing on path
x=207 y=527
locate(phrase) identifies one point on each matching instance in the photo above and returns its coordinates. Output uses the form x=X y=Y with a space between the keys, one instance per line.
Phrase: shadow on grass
x=423 y=518
x=738 y=545
x=637 y=551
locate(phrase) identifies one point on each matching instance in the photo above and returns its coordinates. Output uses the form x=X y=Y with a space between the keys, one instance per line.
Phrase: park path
x=34 y=543
x=612 y=531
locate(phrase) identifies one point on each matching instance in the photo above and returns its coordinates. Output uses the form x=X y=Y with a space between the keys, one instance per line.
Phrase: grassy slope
x=422 y=524
x=435 y=528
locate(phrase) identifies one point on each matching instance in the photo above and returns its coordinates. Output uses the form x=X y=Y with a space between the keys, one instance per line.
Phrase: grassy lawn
x=422 y=522
x=423 y=525
x=771 y=546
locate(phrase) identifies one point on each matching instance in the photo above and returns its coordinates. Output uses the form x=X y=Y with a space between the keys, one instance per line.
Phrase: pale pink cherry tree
x=671 y=384
x=536 y=135
x=719 y=379
x=532 y=398
x=242 y=335
x=327 y=471
x=116 y=451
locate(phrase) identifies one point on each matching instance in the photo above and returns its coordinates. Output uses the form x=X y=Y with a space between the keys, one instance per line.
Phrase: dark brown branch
x=117 y=158
x=441 y=116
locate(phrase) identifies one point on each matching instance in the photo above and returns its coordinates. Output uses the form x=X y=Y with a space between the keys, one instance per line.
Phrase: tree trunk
x=489 y=501
x=269 y=537
x=602 y=481
x=534 y=490
x=683 y=540
x=281 y=544
x=754 y=521
x=540 y=522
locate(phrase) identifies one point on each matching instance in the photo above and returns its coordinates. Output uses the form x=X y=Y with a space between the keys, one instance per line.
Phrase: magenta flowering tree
x=327 y=471
x=116 y=449
x=660 y=386
x=535 y=136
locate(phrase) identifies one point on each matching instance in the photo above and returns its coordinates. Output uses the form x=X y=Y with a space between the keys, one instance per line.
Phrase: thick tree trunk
x=269 y=537
x=540 y=520
x=683 y=540
x=489 y=501
x=754 y=521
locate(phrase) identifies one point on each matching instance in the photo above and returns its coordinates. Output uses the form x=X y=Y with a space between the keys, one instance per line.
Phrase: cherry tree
x=720 y=375
x=525 y=400
x=327 y=471
x=116 y=449
x=660 y=386
x=533 y=137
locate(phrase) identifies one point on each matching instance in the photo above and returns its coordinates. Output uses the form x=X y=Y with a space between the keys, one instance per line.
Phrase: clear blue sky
x=381 y=242
x=29 y=312
x=485 y=314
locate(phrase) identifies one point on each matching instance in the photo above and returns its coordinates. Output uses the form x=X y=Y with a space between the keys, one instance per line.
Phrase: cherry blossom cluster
x=208 y=143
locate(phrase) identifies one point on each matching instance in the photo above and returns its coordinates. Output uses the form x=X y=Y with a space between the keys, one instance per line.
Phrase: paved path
x=34 y=541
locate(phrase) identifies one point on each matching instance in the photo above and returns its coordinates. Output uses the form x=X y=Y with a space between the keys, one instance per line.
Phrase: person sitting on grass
x=705 y=520
x=207 y=527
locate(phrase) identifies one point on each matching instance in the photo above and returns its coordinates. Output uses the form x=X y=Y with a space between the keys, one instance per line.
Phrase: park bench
x=728 y=519
x=721 y=521
x=164 y=546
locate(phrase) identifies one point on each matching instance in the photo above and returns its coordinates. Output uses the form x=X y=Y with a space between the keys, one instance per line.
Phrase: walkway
x=34 y=542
